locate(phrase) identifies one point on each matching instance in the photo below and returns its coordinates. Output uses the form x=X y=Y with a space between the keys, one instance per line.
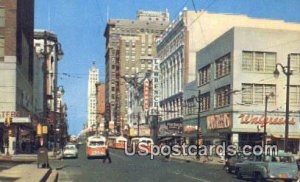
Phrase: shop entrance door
x=250 y=139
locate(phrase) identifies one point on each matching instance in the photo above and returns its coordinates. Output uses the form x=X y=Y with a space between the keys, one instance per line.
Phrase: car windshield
x=285 y=159
x=99 y=143
x=69 y=147
x=146 y=141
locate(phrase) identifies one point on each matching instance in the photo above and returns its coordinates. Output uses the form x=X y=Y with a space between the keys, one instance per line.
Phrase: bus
x=117 y=142
x=145 y=141
x=96 y=146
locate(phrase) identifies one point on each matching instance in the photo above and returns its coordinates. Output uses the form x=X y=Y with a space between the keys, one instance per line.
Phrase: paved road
x=137 y=168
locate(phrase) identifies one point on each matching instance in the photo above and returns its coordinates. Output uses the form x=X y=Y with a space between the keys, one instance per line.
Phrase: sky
x=80 y=24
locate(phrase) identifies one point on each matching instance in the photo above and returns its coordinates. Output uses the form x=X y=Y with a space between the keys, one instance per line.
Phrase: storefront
x=241 y=129
x=250 y=127
x=216 y=128
x=190 y=129
x=13 y=135
x=170 y=128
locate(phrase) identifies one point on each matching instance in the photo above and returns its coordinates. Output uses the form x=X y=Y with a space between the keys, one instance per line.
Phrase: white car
x=70 y=151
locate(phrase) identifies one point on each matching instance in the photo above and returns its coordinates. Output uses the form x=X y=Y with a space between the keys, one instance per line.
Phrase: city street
x=136 y=168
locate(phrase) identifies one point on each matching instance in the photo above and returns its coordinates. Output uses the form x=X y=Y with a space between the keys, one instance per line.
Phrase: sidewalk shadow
x=7 y=179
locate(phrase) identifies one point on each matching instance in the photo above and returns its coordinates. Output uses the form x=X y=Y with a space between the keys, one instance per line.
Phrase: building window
x=222 y=96
x=255 y=93
x=204 y=75
x=191 y=107
x=258 y=61
x=223 y=66
x=295 y=63
x=295 y=95
x=205 y=102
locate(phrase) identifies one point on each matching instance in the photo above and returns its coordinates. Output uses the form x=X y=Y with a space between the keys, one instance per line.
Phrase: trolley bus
x=96 y=146
x=145 y=141
x=117 y=142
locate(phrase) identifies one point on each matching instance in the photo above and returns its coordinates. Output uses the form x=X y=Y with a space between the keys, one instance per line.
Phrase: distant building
x=100 y=87
x=235 y=74
x=47 y=48
x=92 y=96
x=130 y=47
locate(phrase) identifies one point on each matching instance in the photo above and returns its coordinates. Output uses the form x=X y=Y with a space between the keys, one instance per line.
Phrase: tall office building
x=130 y=49
x=92 y=96
x=16 y=73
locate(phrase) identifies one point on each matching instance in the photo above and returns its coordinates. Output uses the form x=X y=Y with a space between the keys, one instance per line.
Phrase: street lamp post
x=287 y=71
x=138 y=124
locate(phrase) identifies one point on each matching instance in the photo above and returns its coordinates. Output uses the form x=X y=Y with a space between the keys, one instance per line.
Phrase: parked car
x=230 y=162
x=70 y=151
x=260 y=168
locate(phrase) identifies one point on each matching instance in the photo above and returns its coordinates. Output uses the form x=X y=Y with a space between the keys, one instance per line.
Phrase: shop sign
x=146 y=94
x=218 y=121
x=12 y=114
x=190 y=128
x=174 y=126
x=260 y=119
x=170 y=128
x=16 y=120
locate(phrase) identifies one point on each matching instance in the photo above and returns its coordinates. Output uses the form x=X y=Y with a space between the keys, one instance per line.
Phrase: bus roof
x=96 y=138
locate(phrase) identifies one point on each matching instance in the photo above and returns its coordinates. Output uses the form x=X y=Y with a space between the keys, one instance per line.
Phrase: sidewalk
x=215 y=160
x=27 y=157
x=25 y=172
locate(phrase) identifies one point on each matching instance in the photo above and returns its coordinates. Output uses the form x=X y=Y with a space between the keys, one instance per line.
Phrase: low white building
x=177 y=48
x=235 y=74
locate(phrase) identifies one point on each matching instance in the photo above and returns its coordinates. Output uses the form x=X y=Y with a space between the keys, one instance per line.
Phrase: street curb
x=195 y=161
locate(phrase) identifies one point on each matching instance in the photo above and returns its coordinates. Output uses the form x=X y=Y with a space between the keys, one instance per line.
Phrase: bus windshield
x=98 y=143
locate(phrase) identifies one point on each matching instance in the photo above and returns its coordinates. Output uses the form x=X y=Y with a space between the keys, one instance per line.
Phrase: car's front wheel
x=238 y=173
x=227 y=169
x=257 y=177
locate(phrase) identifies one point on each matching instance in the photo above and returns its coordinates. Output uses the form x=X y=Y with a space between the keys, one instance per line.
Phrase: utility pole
x=198 y=124
x=45 y=68
x=287 y=109
x=287 y=71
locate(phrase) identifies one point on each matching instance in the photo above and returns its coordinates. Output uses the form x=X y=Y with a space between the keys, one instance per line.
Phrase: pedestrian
x=107 y=156
x=23 y=145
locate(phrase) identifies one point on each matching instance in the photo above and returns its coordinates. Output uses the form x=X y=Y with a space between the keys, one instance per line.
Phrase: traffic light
x=7 y=121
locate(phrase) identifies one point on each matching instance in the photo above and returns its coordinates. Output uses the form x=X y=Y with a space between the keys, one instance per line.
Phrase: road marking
x=198 y=179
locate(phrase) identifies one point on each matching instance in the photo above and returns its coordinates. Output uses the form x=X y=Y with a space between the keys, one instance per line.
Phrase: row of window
x=131 y=31
x=264 y=62
x=222 y=66
x=252 y=94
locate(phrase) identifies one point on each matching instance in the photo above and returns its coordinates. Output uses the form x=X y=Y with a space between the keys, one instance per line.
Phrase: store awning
x=290 y=136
